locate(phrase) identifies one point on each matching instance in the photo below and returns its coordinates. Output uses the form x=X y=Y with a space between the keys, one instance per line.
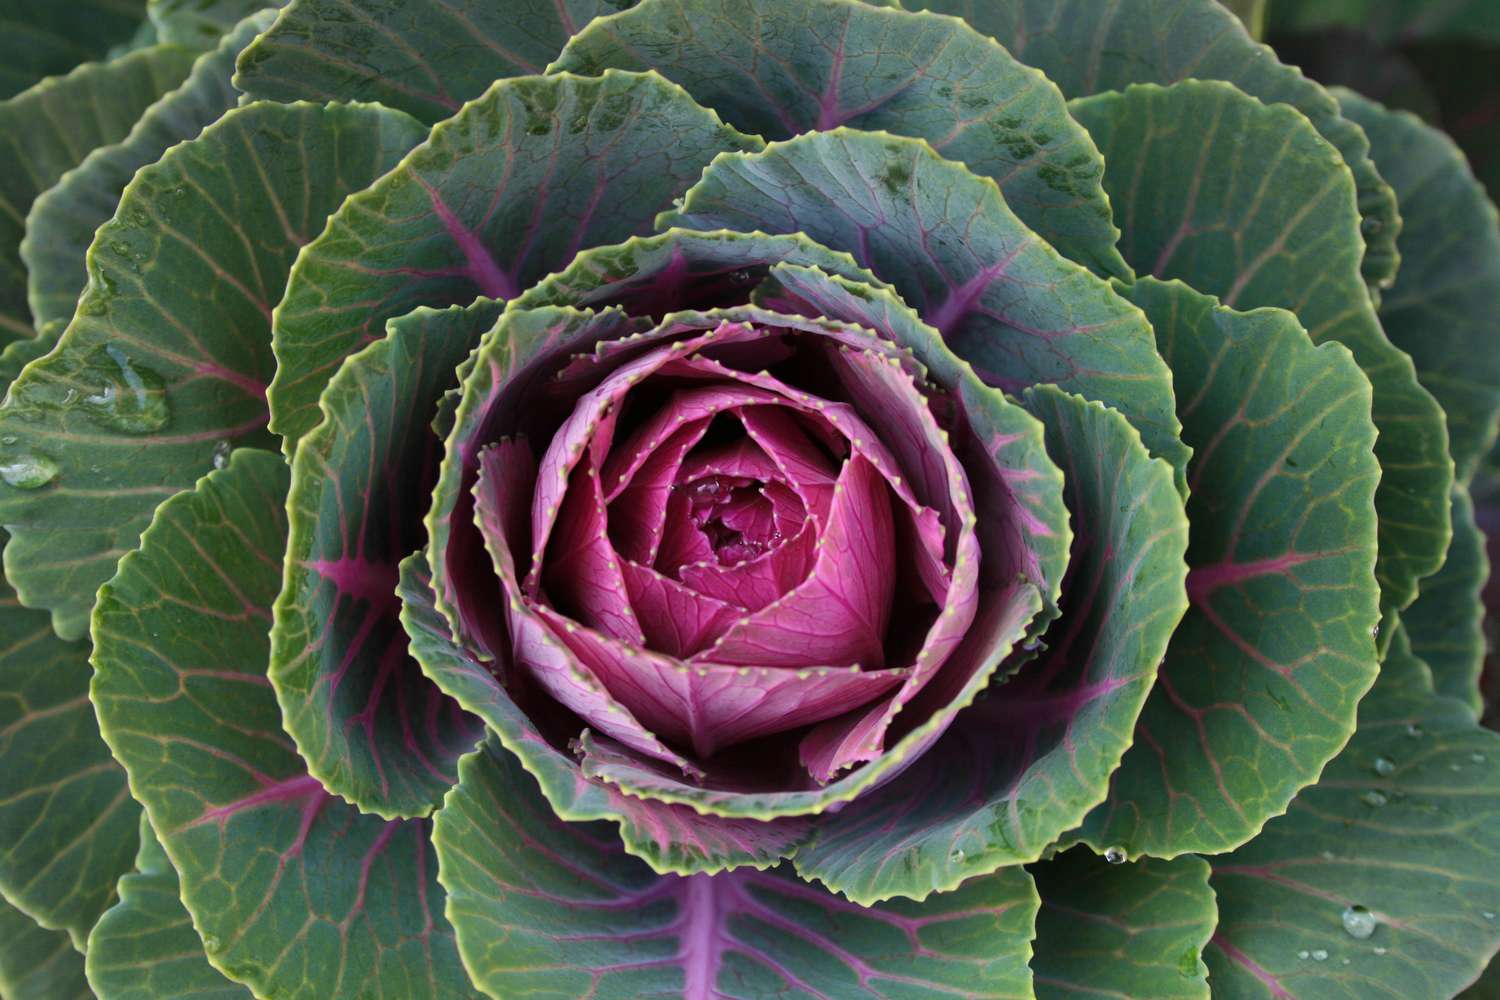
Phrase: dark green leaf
x=1260 y=683
x=165 y=365
x=67 y=821
x=1122 y=930
x=1381 y=879
x=782 y=67
x=46 y=37
x=371 y=727
x=1446 y=623
x=1276 y=228
x=945 y=238
x=425 y=57
x=499 y=196
x=37 y=964
x=1443 y=305
x=63 y=219
x=1086 y=47
x=525 y=889
x=144 y=947
x=200 y=23
x=49 y=129
x=294 y=893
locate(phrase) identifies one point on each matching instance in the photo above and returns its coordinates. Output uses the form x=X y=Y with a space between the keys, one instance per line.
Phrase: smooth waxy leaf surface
x=425 y=57
x=38 y=964
x=201 y=23
x=504 y=193
x=1446 y=624
x=371 y=727
x=1135 y=930
x=164 y=368
x=1086 y=48
x=1442 y=307
x=1286 y=234
x=63 y=219
x=523 y=886
x=945 y=238
x=1260 y=682
x=144 y=947
x=294 y=893
x=67 y=821
x=1027 y=761
x=1380 y=880
x=670 y=838
x=44 y=38
x=49 y=129
x=778 y=68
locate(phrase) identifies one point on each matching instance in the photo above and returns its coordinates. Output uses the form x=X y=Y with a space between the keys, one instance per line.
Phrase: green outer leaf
x=369 y=725
x=1003 y=299
x=425 y=57
x=1446 y=623
x=1442 y=307
x=63 y=218
x=523 y=887
x=1393 y=20
x=67 y=822
x=1028 y=762
x=670 y=838
x=502 y=194
x=1418 y=847
x=181 y=285
x=781 y=67
x=294 y=893
x=1135 y=930
x=201 y=23
x=37 y=964
x=47 y=130
x=45 y=38
x=1259 y=686
x=1086 y=48
x=144 y=947
x=1277 y=229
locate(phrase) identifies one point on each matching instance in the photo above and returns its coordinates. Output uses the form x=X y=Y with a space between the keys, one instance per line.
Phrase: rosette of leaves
x=739 y=499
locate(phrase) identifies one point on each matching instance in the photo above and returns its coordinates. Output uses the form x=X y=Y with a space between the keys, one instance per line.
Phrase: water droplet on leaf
x=1114 y=854
x=1319 y=955
x=129 y=397
x=1374 y=798
x=1303 y=954
x=1413 y=730
x=1385 y=767
x=1379 y=950
x=221 y=454
x=1477 y=758
x=1359 y=922
x=28 y=472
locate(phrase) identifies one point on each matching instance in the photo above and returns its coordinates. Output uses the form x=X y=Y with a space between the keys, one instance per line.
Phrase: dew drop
x=130 y=397
x=1379 y=950
x=958 y=856
x=1413 y=730
x=1477 y=758
x=1328 y=856
x=9 y=439
x=1346 y=961
x=221 y=454
x=1385 y=767
x=1359 y=922
x=1489 y=914
x=1319 y=955
x=1303 y=954
x=1375 y=631
x=28 y=472
x=1374 y=798
x=1114 y=854
x=210 y=943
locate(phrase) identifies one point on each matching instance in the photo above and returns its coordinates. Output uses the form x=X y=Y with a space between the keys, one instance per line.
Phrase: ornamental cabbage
x=736 y=498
